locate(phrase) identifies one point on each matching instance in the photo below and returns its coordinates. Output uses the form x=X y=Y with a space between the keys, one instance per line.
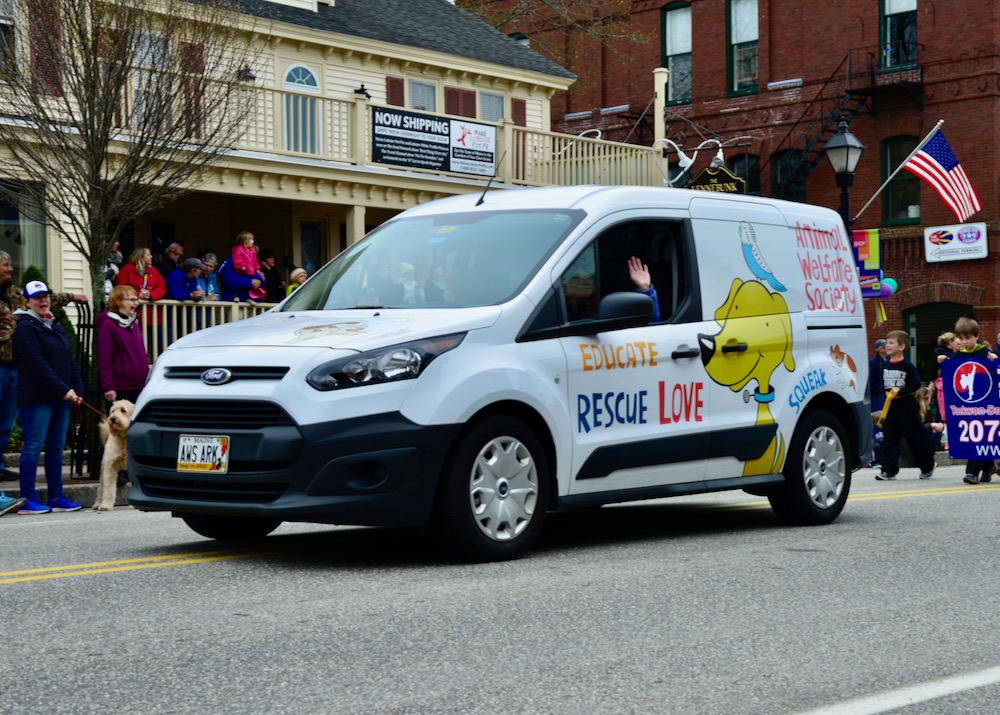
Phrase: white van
x=481 y=360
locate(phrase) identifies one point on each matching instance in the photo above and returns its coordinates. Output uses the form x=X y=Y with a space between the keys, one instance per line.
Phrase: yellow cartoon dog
x=755 y=339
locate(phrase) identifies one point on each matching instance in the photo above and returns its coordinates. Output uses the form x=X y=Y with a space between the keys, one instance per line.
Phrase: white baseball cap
x=35 y=289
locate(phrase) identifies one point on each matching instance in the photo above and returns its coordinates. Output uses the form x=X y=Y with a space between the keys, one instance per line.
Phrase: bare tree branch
x=113 y=108
x=548 y=23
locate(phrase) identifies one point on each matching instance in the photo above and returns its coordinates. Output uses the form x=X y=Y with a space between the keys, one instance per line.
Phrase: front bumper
x=379 y=470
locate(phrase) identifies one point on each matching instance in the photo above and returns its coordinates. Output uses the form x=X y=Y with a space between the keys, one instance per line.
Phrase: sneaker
x=883 y=477
x=64 y=504
x=970 y=479
x=9 y=504
x=927 y=475
x=985 y=478
x=33 y=507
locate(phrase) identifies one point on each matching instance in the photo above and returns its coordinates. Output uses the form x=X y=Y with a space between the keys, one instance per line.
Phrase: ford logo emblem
x=216 y=376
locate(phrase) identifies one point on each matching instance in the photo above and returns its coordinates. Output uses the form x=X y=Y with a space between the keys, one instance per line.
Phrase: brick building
x=770 y=80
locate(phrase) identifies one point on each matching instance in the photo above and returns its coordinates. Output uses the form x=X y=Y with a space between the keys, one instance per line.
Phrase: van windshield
x=446 y=261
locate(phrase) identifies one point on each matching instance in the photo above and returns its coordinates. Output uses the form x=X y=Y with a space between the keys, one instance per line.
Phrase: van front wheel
x=817 y=472
x=494 y=490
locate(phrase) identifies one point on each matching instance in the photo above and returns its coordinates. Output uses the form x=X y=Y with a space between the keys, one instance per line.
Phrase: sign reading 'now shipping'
x=425 y=141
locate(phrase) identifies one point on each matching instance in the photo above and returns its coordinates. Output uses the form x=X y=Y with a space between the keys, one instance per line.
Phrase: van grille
x=266 y=372
x=222 y=489
x=214 y=414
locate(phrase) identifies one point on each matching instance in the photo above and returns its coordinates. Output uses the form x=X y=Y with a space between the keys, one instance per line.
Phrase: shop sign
x=426 y=141
x=721 y=180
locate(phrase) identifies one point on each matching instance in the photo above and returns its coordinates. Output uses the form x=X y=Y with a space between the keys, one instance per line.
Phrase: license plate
x=203 y=453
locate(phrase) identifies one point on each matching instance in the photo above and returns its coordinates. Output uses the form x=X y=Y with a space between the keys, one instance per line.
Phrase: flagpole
x=902 y=164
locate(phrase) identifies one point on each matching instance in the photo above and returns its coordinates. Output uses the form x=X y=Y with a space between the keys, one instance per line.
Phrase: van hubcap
x=503 y=488
x=824 y=467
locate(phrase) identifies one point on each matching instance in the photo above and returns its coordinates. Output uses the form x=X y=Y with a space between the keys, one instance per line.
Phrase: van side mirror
x=628 y=308
x=615 y=312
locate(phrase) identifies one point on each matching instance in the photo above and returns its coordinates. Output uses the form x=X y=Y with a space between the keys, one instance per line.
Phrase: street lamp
x=844 y=150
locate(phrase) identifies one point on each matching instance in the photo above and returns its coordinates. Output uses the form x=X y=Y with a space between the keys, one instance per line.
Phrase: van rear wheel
x=230 y=528
x=817 y=472
x=493 y=493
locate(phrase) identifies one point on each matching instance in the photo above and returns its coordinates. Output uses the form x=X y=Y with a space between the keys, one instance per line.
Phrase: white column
x=355 y=224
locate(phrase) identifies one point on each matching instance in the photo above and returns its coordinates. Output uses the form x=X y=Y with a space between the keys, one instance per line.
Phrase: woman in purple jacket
x=122 y=362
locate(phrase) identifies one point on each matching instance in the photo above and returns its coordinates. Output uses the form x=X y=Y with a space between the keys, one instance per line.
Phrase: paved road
x=694 y=605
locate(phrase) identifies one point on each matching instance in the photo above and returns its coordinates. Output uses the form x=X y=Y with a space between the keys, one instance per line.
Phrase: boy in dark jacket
x=901 y=413
x=967 y=331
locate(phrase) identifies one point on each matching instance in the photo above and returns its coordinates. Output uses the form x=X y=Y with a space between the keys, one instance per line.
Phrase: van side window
x=602 y=268
x=580 y=289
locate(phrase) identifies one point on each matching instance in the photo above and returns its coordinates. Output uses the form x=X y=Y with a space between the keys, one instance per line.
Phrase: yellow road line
x=965 y=489
x=200 y=557
x=869 y=496
x=101 y=567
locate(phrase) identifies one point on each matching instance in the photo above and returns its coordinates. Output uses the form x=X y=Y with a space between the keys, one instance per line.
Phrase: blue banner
x=972 y=406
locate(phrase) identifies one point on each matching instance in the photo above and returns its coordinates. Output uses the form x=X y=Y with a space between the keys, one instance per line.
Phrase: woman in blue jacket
x=235 y=286
x=48 y=381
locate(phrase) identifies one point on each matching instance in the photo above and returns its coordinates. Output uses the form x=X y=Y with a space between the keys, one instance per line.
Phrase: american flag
x=937 y=164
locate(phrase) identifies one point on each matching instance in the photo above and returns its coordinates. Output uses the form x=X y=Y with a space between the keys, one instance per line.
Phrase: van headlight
x=399 y=362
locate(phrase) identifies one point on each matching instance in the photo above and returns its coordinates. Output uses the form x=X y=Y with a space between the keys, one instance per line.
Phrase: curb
x=85 y=494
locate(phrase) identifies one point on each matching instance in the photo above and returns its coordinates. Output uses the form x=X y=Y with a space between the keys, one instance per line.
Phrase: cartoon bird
x=755 y=260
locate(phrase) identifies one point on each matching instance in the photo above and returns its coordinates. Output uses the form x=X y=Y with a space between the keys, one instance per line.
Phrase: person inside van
x=580 y=290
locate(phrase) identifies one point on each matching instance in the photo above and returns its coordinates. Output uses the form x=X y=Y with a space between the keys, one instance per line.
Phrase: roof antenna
x=487 y=187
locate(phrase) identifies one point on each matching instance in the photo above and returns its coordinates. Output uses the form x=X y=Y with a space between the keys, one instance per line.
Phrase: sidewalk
x=77 y=488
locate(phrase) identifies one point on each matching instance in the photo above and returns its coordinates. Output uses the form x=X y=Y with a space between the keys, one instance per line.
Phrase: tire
x=230 y=528
x=817 y=472
x=493 y=493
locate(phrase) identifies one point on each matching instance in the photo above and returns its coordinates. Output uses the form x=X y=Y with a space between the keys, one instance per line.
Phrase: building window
x=901 y=198
x=7 y=35
x=677 y=52
x=152 y=83
x=742 y=46
x=423 y=96
x=747 y=167
x=22 y=232
x=490 y=107
x=899 y=34
x=786 y=179
x=302 y=129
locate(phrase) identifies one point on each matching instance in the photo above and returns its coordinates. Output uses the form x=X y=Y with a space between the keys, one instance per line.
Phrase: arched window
x=901 y=198
x=747 y=167
x=786 y=179
x=677 y=51
x=302 y=130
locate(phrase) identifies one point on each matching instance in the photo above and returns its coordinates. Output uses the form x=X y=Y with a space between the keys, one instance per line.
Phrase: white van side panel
x=769 y=279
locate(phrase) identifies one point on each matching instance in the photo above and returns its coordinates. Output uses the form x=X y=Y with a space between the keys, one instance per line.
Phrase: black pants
x=903 y=422
x=979 y=467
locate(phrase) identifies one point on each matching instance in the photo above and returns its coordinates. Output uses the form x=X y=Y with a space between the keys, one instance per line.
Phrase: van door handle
x=689 y=353
x=737 y=348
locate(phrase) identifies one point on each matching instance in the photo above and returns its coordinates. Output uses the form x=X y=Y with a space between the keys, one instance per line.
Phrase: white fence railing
x=340 y=131
x=164 y=321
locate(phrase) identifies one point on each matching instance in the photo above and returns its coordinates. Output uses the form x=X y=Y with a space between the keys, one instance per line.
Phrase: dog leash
x=79 y=413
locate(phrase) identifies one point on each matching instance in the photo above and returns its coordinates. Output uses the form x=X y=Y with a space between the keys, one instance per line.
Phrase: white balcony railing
x=532 y=157
x=164 y=321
